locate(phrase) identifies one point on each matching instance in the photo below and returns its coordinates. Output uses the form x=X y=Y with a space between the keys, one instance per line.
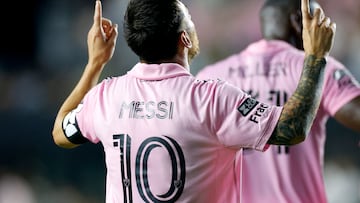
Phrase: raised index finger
x=305 y=9
x=98 y=13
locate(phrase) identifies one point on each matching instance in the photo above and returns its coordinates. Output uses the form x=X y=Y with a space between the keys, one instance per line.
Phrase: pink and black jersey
x=168 y=137
x=270 y=71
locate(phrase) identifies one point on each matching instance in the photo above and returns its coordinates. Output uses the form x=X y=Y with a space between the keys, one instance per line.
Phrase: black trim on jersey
x=76 y=138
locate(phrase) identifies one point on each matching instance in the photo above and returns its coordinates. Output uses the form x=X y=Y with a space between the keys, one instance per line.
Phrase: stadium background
x=43 y=52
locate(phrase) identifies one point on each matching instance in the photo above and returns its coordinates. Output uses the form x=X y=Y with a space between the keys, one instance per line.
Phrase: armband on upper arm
x=71 y=129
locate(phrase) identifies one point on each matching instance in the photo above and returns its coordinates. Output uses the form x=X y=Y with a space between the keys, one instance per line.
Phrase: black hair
x=286 y=4
x=275 y=18
x=151 y=28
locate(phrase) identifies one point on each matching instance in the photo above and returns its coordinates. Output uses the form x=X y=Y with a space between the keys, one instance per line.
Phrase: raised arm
x=101 y=45
x=299 y=112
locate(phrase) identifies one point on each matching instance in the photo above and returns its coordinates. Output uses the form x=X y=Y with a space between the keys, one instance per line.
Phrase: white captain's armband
x=71 y=128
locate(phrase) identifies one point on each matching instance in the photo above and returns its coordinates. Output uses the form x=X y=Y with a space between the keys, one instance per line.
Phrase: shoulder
x=207 y=83
x=103 y=86
x=217 y=87
x=110 y=81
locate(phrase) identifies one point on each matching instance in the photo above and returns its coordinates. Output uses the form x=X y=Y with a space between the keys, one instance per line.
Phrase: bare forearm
x=88 y=80
x=101 y=45
x=299 y=112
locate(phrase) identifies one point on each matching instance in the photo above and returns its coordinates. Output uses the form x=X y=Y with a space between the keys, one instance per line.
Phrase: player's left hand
x=101 y=38
x=318 y=31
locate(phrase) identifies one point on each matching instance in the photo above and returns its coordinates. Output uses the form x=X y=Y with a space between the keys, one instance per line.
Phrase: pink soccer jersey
x=270 y=71
x=168 y=137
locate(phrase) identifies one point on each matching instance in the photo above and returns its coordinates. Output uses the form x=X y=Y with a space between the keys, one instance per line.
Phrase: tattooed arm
x=299 y=112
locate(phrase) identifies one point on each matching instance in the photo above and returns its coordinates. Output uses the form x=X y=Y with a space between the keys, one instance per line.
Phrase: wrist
x=94 y=66
x=315 y=60
x=96 y=62
x=317 y=55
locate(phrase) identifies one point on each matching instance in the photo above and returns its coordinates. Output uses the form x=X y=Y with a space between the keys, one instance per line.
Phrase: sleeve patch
x=344 y=78
x=247 y=106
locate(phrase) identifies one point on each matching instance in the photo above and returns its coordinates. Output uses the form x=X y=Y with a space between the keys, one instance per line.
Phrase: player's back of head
x=275 y=18
x=151 y=28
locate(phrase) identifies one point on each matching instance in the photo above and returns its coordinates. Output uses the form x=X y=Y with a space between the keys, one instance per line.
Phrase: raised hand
x=318 y=31
x=101 y=38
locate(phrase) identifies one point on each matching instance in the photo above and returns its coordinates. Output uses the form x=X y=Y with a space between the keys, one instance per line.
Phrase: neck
x=177 y=59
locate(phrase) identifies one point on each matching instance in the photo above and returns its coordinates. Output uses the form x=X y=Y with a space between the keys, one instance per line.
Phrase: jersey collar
x=162 y=71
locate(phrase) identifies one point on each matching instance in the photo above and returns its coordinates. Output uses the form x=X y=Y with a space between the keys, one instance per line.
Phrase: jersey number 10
x=177 y=160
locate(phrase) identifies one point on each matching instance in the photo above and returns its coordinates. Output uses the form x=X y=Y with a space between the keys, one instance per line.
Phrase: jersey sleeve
x=85 y=116
x=81 y=119
x=340 y=87
x=242 y=121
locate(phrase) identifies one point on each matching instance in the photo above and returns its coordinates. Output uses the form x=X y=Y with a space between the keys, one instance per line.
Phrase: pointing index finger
x=98 y=13
x=305 y=9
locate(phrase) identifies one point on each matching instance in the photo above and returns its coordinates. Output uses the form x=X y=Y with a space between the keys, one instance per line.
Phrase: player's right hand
x=101 y=38
x=318 y=31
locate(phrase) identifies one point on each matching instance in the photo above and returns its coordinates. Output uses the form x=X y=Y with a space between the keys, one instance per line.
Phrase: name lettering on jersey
x=258 y=113
x=242 y=71
x=147 y=110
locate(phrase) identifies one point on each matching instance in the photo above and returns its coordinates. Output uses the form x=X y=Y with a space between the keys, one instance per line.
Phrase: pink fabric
x=270 y=71
x=168 y=136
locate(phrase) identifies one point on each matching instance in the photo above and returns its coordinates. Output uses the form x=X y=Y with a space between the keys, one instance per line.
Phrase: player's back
x=168 y=136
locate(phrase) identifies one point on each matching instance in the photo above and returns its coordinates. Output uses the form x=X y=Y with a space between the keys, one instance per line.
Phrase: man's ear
x=295 y=20
x=185 y=39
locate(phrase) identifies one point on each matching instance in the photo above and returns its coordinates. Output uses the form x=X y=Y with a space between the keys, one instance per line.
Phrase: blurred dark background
x=42 y=54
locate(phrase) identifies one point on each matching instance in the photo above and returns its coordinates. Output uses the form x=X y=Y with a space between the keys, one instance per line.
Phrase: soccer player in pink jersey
x=168 y=137
x=270 y=70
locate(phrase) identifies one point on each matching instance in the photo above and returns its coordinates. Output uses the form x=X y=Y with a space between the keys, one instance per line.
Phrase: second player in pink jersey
x=269 y=70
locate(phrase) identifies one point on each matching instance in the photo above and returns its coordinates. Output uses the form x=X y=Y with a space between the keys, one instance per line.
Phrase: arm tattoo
x=300 y=110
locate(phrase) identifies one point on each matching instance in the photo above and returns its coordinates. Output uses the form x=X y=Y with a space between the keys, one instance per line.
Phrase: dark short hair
x=286 y=4
x=151 y=28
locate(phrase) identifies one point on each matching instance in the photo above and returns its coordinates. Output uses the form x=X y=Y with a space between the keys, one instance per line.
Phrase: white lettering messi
x=147 y=110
